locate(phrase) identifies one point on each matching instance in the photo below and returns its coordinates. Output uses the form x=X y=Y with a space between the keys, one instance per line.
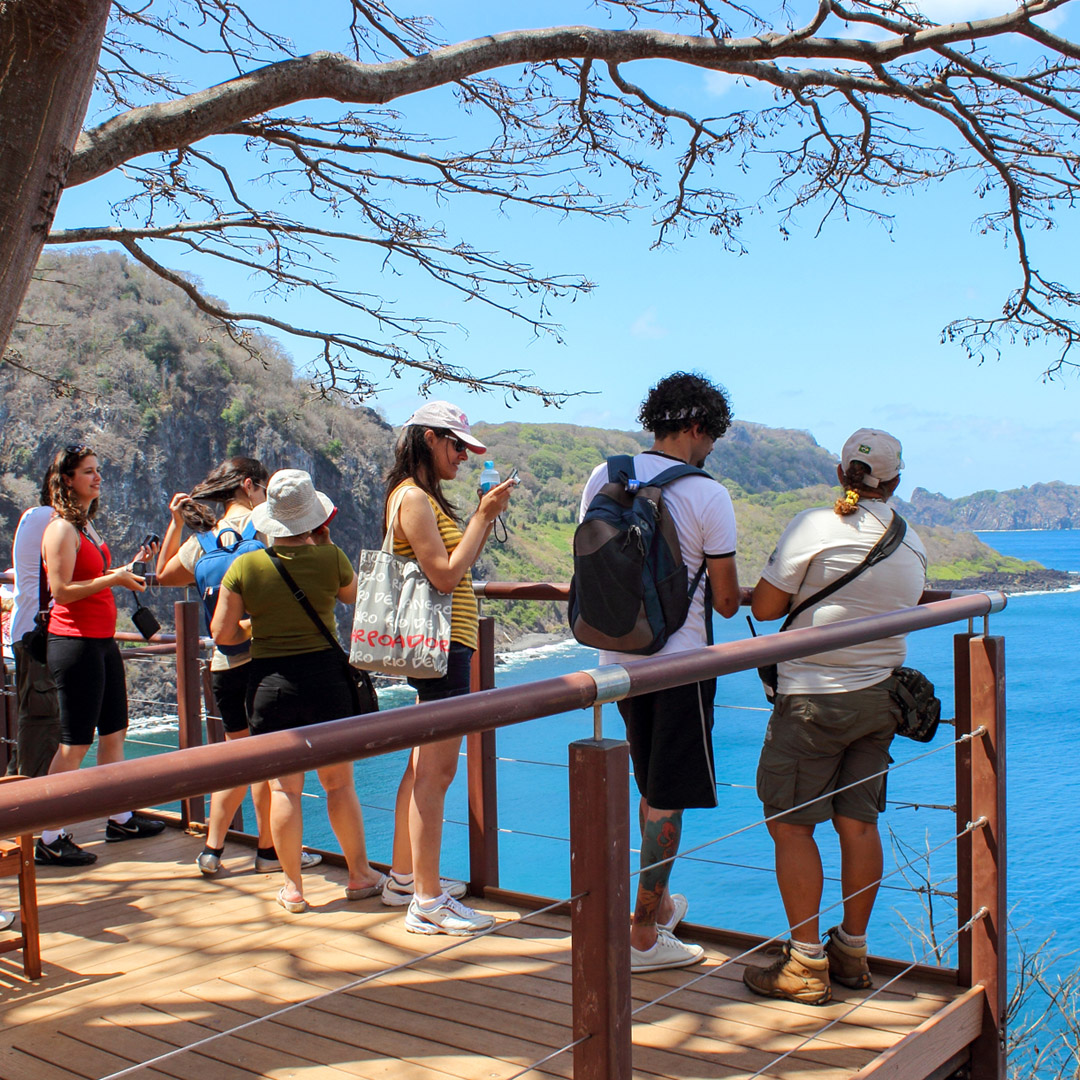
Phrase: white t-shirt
x=818 y=547
x=26 y=557
x=705 y=524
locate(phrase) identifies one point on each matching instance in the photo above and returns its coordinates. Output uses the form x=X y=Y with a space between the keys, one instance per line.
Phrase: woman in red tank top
x=83 y=656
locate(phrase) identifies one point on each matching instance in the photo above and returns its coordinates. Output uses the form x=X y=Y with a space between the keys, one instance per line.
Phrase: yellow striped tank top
x=464 y=614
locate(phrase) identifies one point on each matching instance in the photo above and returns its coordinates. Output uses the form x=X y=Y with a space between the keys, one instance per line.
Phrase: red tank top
x=93 y=616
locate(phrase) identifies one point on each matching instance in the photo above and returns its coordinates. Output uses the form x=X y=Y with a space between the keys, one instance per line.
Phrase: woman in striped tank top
x=434 y=443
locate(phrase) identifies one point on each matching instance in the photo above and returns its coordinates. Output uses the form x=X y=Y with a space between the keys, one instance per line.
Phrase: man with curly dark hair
x=670 y=731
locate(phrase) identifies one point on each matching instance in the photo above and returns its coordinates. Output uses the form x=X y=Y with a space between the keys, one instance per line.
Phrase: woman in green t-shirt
x=295 y=678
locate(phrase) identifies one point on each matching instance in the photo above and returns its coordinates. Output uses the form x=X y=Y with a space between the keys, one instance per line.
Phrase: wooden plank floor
x=143 y=956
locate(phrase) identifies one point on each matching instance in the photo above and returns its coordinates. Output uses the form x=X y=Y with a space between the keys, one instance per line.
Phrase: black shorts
x=670 y=736
x=286 y=692
x=230 y=693
x=89 y=677
x=454 y=683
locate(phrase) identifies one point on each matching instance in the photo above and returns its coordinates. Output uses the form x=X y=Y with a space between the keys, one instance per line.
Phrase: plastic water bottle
x=489 y=478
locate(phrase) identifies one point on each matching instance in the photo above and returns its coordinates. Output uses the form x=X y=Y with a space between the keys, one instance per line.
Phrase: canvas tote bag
x=402 y=622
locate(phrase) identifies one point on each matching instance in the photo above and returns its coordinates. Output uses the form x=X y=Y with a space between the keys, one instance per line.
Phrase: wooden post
x=188 y=692
x=982 y=954
x=600 y=916
x=480 y=759
x=28 y=909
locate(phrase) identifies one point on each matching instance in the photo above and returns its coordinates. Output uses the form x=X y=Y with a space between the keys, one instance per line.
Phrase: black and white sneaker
x=63 y=851
x=134 y=828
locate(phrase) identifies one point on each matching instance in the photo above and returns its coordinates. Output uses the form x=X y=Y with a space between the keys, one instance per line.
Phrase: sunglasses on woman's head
x=76 y=449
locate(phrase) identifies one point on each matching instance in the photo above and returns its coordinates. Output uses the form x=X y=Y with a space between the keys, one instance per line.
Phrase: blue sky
x=824 y=333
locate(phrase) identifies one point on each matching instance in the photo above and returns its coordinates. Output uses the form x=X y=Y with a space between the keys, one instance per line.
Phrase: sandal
x=295 y=907
x=366 y=891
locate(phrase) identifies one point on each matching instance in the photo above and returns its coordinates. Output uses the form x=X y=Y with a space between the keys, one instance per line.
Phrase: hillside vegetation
x=133 y=369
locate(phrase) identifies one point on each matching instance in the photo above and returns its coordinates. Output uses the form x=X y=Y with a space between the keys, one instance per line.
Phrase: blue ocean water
x=728 y=878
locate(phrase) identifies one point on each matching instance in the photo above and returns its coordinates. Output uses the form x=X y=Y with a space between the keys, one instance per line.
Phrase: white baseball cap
x=878 y=450
x=442 y=414
x=292 y=505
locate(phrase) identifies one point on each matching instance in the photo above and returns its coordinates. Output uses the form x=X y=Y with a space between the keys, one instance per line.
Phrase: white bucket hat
x=878 y=450
x=441 y=414
x=292 y=505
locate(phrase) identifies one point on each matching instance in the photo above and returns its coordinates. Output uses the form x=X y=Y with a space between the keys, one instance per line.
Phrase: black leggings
x=89 y=677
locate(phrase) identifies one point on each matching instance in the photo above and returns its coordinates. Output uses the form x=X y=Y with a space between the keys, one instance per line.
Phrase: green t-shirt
x=279 y=625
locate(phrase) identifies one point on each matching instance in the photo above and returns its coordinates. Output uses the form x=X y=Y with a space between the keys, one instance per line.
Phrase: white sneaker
x=308 y=859
x=682 y=905
x=396 y=894
x=450 y=917
x=668 y=952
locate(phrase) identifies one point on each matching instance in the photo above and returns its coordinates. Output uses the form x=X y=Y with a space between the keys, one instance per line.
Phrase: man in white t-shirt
x=39 y=709
x=834 y=718
x=670 y=731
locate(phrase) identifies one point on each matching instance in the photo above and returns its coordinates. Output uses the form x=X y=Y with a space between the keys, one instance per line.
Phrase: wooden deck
x=143 y=956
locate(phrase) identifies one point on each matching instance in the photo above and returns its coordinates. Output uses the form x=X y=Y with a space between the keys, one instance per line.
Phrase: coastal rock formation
x=1041 y=506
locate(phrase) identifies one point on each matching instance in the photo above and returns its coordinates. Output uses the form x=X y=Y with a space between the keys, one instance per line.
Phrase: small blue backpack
x=631 y=589
x=218 y=555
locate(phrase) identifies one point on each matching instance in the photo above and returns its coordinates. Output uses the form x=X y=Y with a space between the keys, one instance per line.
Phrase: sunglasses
x=76 y=449
x=455 y=442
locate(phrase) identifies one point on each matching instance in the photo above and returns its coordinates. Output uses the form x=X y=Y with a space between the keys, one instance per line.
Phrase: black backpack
x=630 y=590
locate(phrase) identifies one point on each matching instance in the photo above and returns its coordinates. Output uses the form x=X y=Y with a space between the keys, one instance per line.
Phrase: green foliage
x=234 y=413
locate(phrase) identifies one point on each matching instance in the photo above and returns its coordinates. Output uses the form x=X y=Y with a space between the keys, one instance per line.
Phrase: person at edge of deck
x=670 y=731
x=237 y=485
x=833 y=719
x=84 y=659
x=294 y=678
x=434 y=442
x=38 y=733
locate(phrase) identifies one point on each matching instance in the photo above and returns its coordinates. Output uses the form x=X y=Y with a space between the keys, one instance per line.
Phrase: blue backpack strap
x=250 y=532
x=207 y=541
x=620 y=468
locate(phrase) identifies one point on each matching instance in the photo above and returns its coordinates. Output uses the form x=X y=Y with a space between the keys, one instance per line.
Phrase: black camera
x=150 y=538
x=139 y=568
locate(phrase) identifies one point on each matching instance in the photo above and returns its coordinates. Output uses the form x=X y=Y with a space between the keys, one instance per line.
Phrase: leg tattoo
x=660 y=837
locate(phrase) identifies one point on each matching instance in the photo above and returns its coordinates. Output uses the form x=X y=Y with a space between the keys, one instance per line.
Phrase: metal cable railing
x=979 y=915
x=785 y=933
x=390 y=969
x=809 y=802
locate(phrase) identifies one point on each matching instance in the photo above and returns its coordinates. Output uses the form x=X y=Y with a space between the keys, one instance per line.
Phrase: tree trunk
x=48 y=58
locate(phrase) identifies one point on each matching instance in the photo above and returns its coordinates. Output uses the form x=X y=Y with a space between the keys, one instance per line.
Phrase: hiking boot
x=135 y=828
x=793 y=976
x=397 y=894
x=308 y=859
x=63 y=851
x=668 y=952
x=847 y=963
x=450 y=917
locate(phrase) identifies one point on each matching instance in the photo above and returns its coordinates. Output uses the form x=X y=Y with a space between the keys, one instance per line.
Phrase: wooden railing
x=598 y=792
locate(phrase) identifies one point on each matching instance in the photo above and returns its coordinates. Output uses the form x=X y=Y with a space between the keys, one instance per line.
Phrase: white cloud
x=718 y=83
x=646 y=326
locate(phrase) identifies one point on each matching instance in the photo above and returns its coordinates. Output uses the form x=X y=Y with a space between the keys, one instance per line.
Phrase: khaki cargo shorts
x=817 y=744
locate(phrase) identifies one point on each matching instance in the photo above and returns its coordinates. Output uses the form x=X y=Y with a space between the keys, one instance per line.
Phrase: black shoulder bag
x=36 y=641
x=888 y=543
x=367 y=701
